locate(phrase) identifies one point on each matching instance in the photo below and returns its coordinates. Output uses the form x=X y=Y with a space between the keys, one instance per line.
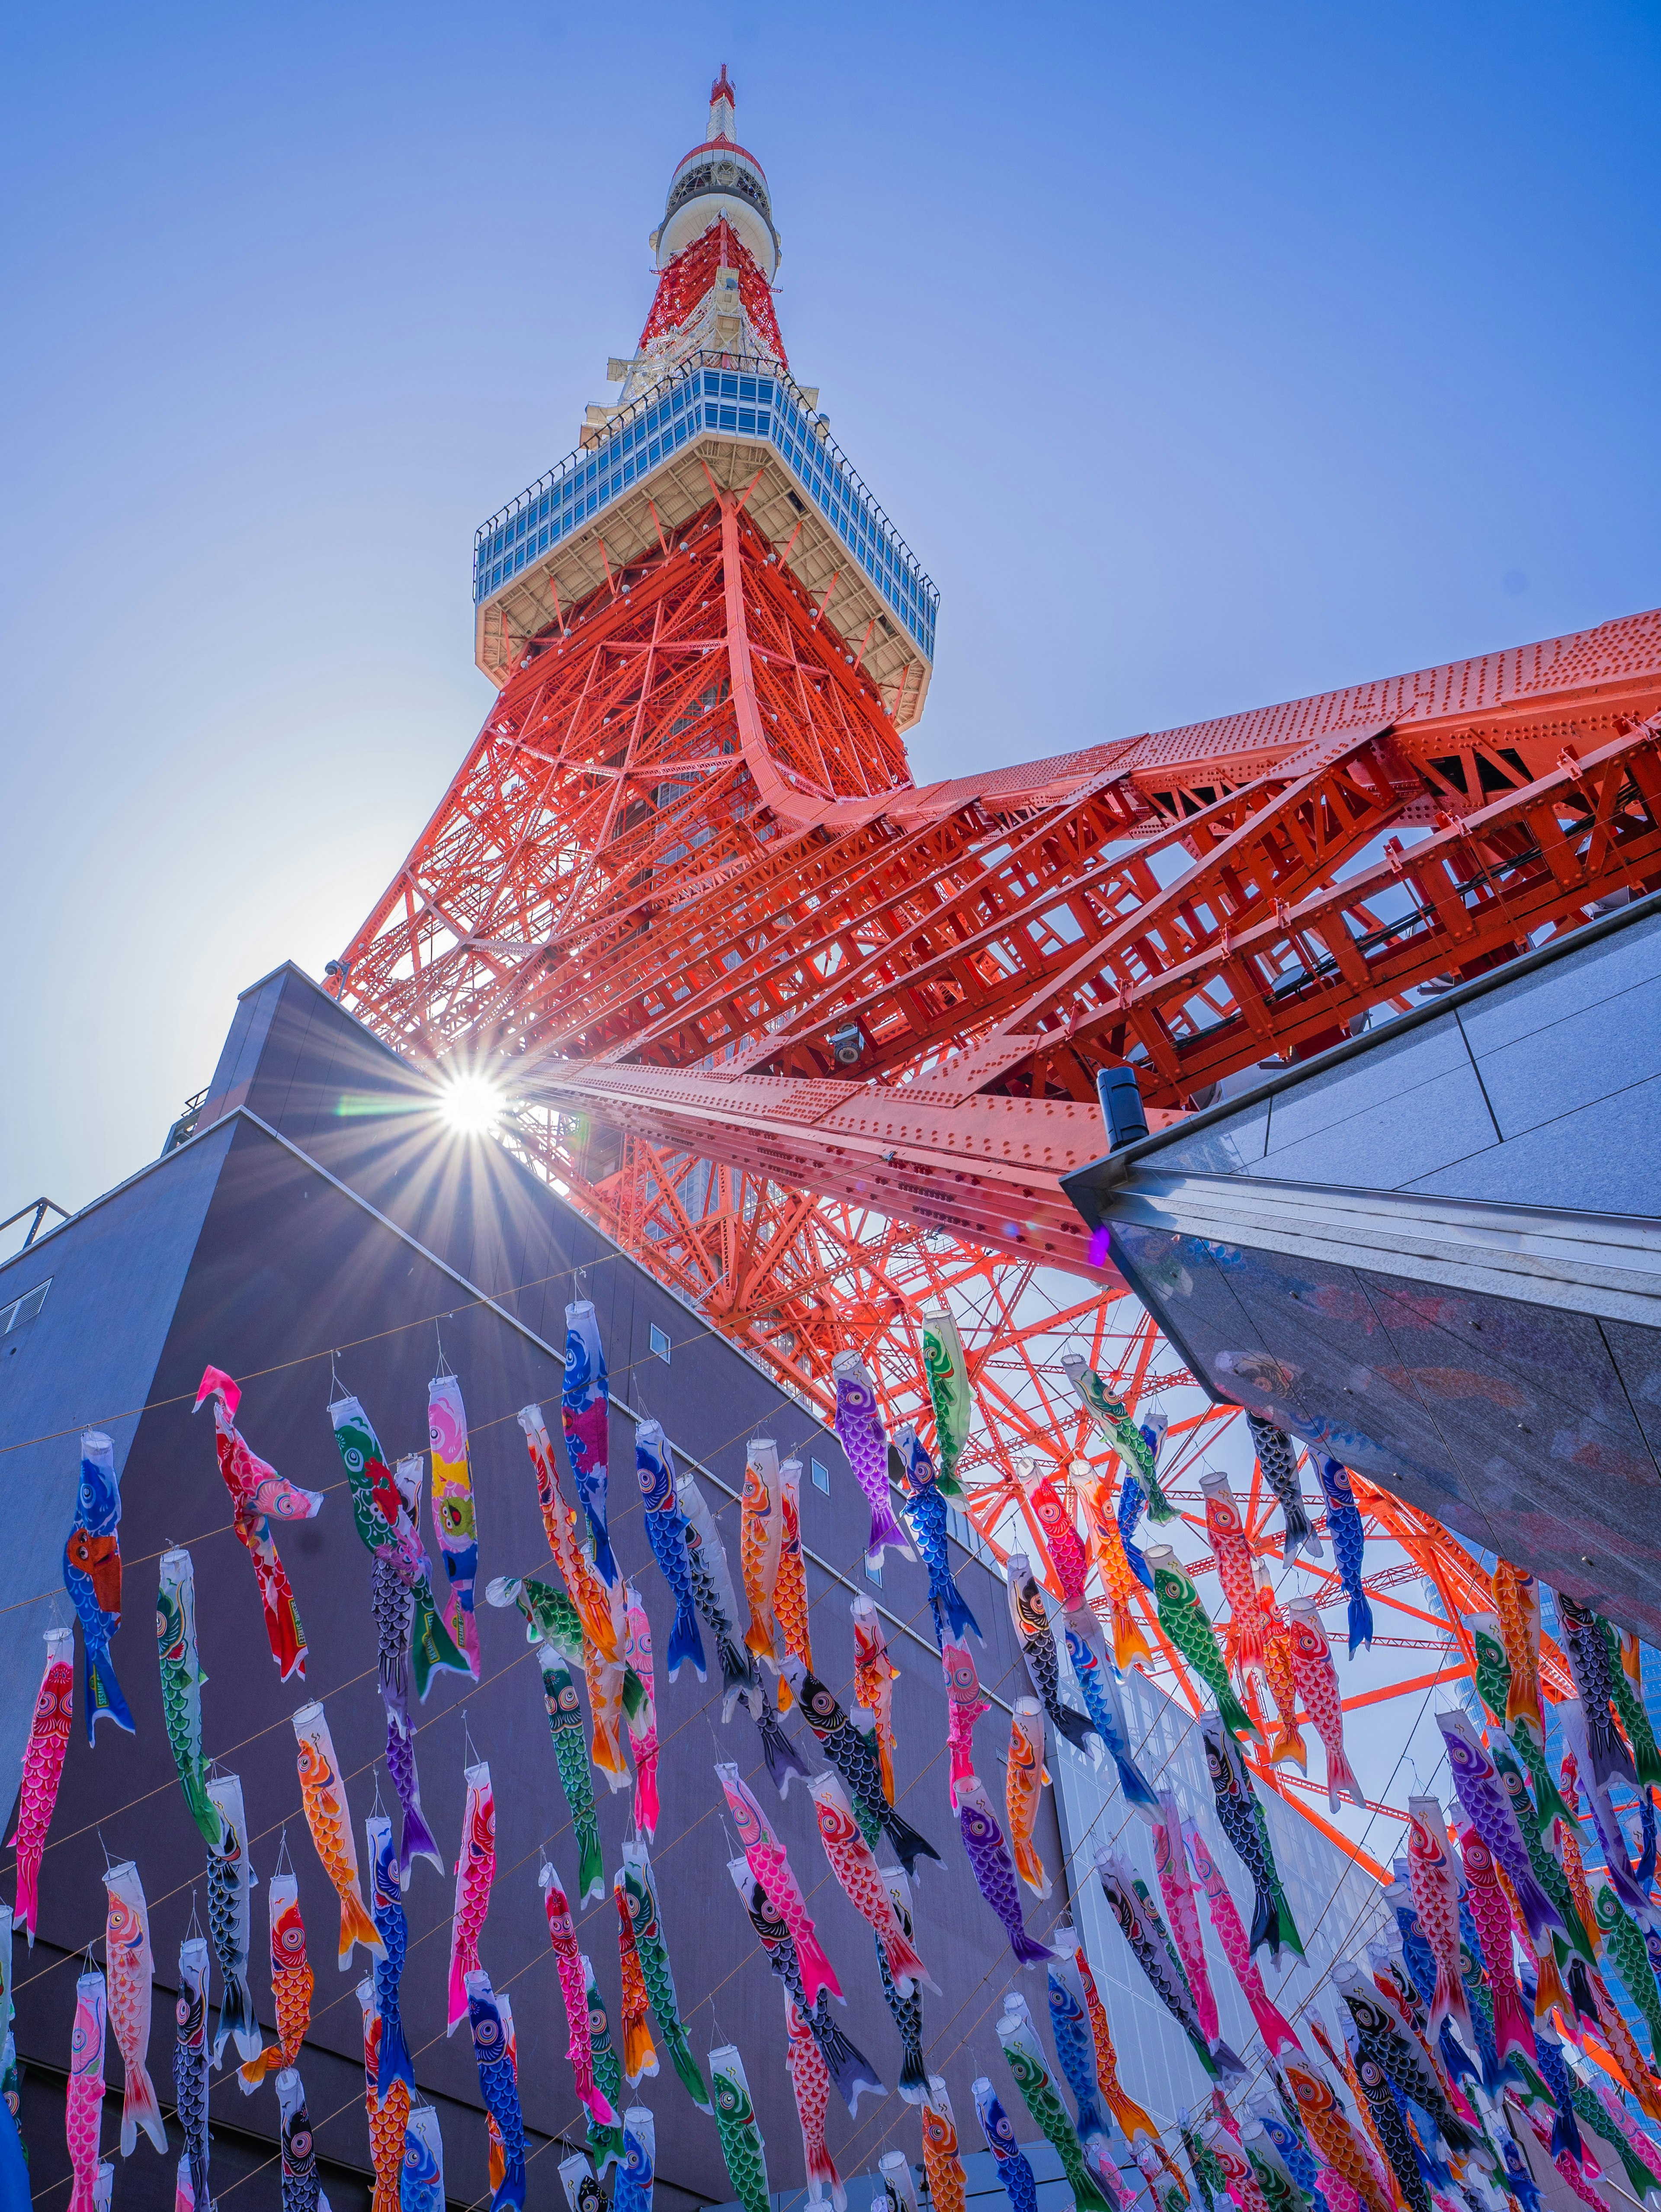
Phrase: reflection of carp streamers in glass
x=259 y=1496
x=643 y=1715
x=993 y=1871
x=849 y=1858
x=1026 y=1611
x=639 y=2056
x=790 y=1611
x=861 y=1433
x=388 y=2111
x=849 y=2070
x=949 y=1393
x=476 y=1867
x=1317 y=1679
x=1023 y=1792
x=1329 y=2131
x=712 y=1589
x=454 y=1518
x=181 y=1685
x=230 y=1894
x=1516 y=1606
x=1023 y=2056
x=1076 y=2048
x=43 y=1770
x=1105 y=1703
x=761 y=1533
x=924 y=1507
x=127 y=1948
x=875 y=1677
x=298 y=2152
x=767 y=1862
x=190 y=2062
x=652 y=1944
x=1435 y=1888
x=323 y=1793
x=1488 y=1909
x=1277 y=1456
x=1187 y=1624
x=906 y=2011
x=497 y=2087
x=942 y=2164
x=1119 y=1580
x=1114 y=1423
x=1288 y=1743
x=851 y=1750
x=810 y=2085
x=741 y=2146
x=1349 y=1536
x=1013 y=2171
x=585 y=1409
x=1242 y=1820
x=83 y=2094
x=1589 y=1664
x=632 y=2191
x=92 y=1577
x=964 y=1706
x=1385 y=2044
x=665 y=1532
x=1182 y=1914
x=579 y=2051
x=1243 y=1643
x=1628 y=1703
x=1491 y=1810
x=394 y=2061
x=291 y=1982
x=422 y=2188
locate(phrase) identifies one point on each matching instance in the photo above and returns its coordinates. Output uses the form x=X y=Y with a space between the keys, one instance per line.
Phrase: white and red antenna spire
x=722 y=101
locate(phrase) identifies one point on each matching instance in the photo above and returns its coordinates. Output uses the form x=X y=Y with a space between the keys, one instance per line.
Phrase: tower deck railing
x=735 y=396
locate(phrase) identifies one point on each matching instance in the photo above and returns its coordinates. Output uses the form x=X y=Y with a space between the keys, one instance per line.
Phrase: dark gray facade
x=321 y=1212
x=1436 y=1254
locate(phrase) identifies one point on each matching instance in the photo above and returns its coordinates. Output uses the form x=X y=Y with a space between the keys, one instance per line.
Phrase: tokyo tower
x=815 y=1044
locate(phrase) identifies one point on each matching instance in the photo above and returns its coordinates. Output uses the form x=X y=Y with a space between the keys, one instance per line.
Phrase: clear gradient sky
x=1207 y=355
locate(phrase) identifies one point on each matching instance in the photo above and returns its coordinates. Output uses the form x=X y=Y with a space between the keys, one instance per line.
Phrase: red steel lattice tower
x=815 y=1042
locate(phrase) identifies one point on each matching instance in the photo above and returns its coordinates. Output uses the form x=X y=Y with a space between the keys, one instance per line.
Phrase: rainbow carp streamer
x=741 y=2145
x=181 y=1686
x=259 y=1496
x=949 y=1393
x=862 y=1437
x=387 y=1529
x=92 y=1577
x=454 y=1518
x=585 y=1414
x=476 y=1867
x=43 y=1770
x=393 y=1600
x=665 y=1532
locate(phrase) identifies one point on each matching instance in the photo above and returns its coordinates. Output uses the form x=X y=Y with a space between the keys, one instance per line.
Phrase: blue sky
x=1207 y=356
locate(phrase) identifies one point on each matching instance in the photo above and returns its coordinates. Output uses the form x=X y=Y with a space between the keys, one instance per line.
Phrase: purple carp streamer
x=863 y=1438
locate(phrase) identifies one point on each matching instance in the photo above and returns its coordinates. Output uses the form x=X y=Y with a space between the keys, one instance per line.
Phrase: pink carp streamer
x=454 y=1520
x=766 y=1857
x=862 y=1434
x=43 y=1769
x=259 y=1496
x=83 y=2098
x=964 y=1706
x=476 y=1867
x=1275 y=2029
x=1177 y=1887
x=573 y=1989
x=642 y=1716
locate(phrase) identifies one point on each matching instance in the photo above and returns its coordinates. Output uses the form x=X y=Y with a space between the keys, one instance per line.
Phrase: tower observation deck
x=818 y=1044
